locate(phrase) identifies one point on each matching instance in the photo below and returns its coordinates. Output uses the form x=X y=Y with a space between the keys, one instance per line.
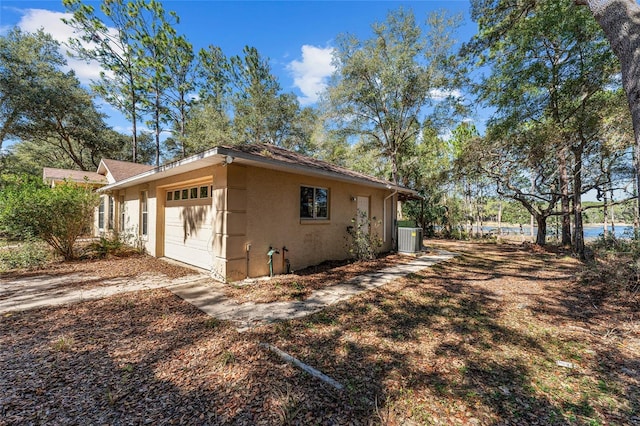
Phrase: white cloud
x=440 y=95
x=51 y=22
x=311 y=73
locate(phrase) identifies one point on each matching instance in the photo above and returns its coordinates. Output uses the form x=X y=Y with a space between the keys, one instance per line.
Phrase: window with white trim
x=314 y=203
x=101 y=214
x=112 y=213
x=183 y=194
x=144 y=213
x=121 y=210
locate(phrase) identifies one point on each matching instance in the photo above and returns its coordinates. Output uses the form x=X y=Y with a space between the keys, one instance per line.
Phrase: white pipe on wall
x=384 y=215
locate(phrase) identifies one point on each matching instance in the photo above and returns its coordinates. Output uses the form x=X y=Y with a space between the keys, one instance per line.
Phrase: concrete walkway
x=209 y=296
x=44 y=290
x=199 y=289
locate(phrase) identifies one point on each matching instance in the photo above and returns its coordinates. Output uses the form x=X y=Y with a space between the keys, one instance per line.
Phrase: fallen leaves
x=299 y=285
x=471 y=341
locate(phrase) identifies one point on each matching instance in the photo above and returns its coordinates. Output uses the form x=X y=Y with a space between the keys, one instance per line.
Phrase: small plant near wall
x=362 y=242
x=120 y=244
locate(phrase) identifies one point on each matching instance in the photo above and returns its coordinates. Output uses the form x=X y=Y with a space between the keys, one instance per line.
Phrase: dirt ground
x=500 y=335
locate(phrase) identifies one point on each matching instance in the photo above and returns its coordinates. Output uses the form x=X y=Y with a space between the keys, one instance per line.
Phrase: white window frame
x=101 y=214
x=112 y=213
x=122 y=213
x=144 y=213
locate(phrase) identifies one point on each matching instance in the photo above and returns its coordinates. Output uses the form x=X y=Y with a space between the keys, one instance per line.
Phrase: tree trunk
x=134 y=116
x=620 y=21
x=500 y=218
x=605 y=214
x=158 y=128
x=578 y=229
x=565 y=238
x=541 y=236
x=612 y=215
x=532 y=220
x=183 y=119
x=636 y=213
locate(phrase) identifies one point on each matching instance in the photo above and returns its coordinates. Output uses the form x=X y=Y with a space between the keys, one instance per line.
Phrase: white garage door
x=188 y=235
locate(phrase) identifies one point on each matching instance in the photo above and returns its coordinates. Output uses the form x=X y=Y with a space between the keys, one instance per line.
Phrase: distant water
x=590 y=232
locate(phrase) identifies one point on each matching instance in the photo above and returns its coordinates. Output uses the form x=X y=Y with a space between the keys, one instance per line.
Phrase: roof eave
x=300 y=169
x=250 y=159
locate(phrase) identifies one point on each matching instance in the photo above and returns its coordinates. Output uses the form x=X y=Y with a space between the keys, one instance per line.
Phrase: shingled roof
x=270 y=151
x=259 y=155
x=51 y=174
x=121 y=170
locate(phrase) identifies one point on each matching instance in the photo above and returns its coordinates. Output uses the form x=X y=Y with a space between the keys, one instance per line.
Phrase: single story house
x=224 y=209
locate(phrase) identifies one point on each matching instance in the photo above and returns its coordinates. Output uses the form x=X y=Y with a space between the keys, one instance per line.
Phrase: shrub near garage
x=57 y=215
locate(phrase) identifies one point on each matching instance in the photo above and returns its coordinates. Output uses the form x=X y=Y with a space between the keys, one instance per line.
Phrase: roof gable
x=116 y=170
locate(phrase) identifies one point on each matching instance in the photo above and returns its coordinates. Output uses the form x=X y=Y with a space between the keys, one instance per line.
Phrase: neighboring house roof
x=259 y=155
x=51 y=174
x=120 y=170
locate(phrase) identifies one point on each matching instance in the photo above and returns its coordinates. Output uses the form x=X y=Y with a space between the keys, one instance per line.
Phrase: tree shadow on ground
x=143 y=357
x=434 y=347
x=604 y=319
x=449 y=350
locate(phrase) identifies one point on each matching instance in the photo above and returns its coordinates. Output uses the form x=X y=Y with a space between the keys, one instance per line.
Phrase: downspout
x=384 y=214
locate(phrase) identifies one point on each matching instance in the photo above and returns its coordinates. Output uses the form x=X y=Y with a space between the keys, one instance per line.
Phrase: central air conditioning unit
x=409 y=240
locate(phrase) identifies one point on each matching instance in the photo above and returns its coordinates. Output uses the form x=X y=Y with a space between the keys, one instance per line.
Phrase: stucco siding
x=273 y=219
x=248 y=210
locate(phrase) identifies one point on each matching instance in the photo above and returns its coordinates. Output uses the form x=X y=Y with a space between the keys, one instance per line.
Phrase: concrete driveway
x=38 y=291
x=200 y=290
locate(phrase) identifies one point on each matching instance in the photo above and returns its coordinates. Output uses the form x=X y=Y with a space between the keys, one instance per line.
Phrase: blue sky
x=297 y=36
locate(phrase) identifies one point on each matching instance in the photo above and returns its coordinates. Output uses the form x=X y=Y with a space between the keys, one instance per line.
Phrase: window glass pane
x=204 y=191
x=144 y=227
x=101 y=213
x=322 y=203
x=194 y=192
x=176 y=195
x=169 y=196
x=122 y=213
x=185 y=194
x=112 y=212
x=306 y=202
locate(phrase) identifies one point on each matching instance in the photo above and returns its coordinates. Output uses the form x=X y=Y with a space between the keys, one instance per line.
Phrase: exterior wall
x=230 y=222
x=273 y=220
x=254 y=209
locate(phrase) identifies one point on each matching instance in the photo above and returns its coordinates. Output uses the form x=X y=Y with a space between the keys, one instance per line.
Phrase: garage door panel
x=188 y=235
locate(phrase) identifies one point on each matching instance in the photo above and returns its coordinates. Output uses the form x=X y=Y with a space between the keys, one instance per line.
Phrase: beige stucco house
x=223 y=209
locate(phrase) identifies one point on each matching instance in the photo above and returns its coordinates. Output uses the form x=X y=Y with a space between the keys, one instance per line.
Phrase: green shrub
x=610 y=244
x=616 y=265
x=29 y=254
x=116 y=244
x=57 y=215
x=363 y=243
